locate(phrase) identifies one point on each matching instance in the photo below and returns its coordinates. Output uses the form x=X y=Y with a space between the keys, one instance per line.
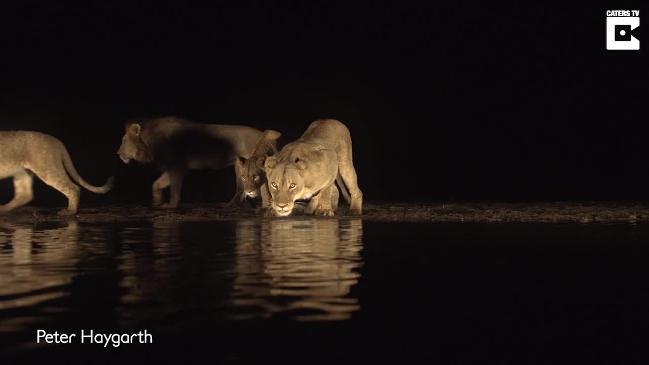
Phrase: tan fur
x=308 y=168
x=25 y=153
x=177 y=145
x=251 y=170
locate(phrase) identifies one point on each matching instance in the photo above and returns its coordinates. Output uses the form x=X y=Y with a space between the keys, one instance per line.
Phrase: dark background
x=457 y=100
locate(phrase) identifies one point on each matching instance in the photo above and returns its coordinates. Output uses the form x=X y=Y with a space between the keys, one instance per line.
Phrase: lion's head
x=285 y=183
x=133 y=148
x=252 y=174
x=251 y=170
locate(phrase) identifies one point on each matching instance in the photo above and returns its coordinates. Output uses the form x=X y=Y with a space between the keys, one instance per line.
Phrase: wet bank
x=477 y=212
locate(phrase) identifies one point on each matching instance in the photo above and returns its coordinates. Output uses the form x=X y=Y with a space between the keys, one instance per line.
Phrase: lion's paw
x=266 y=212
x=66 y=212
x=167 y=206
x=356 y=211
x=324 y=212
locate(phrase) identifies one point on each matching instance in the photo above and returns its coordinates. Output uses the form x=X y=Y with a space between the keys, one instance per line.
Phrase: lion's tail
x=343 y=189
x=72 y=171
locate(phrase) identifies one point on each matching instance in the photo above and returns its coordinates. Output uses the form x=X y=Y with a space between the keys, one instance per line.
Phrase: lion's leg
x=335 y=197
x=57 y=178
x=314 y=203
x=265 y=207
x=239 y=195
x=159 y=185
x=323 y=205
x=23 y=193
x=176 y=178
x=348 y=174
x=265 y=196
x=266 y=201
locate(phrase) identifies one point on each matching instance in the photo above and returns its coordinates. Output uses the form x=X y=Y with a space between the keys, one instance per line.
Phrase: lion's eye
x=256 y=178
x=274 y=186
x=292 y=186
x=244 y=178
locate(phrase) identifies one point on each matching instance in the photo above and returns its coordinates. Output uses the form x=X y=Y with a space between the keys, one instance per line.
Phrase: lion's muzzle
x=283 y=209
x=124 y=159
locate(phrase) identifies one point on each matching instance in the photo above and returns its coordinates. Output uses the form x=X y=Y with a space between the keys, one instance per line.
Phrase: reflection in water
x=147 y=260
x=34 y=268
x=169 y=267
x=306 y=265
x=167 y=274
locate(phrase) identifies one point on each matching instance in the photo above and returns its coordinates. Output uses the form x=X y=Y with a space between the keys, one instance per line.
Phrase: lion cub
x=25 y=153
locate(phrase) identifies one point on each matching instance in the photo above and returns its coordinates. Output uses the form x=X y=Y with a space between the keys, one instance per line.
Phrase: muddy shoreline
x=584 y=212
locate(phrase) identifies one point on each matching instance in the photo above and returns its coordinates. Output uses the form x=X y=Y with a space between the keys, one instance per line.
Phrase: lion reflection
x=303 y=266
x=147 y=268
x=31 y=260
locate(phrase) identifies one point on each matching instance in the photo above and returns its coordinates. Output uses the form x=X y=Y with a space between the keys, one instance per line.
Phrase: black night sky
x=455 y=100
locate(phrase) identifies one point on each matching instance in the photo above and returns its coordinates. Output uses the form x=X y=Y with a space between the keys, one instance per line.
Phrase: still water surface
x=334 y=286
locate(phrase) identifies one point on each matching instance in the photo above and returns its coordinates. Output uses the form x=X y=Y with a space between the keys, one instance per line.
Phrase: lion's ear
x=301 y=164
x=134 y=129
x=271 y=135
x=267 y=143
x=270 y=163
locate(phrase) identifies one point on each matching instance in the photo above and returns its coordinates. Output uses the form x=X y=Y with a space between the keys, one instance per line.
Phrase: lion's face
x=285 y=183
x=252 y=174
x=132 y=147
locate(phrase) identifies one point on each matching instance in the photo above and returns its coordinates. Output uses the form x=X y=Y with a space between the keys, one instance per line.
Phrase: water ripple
x=302 y=269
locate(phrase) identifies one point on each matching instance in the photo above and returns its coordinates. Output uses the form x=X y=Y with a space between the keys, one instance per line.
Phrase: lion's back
x=176 y=141
x=329 y=133
x=22 y=149
x=33 y=141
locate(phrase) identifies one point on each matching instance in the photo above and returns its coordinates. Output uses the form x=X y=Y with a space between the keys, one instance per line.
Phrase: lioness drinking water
x=177 y=145
x=309 y=167
x=25 y=153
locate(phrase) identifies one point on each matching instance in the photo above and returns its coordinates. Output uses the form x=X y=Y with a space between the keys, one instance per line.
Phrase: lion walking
x=24 y=154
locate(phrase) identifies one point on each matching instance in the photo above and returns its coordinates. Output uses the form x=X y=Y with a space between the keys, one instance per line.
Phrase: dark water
x=328 y=291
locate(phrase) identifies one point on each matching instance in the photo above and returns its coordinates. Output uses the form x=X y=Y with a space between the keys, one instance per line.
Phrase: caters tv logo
x=622 y=29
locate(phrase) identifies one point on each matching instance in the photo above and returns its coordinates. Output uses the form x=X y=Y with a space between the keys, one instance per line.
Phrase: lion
x=308 y=167
x=24 y=154
x=176 y=145
x=251 y=170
